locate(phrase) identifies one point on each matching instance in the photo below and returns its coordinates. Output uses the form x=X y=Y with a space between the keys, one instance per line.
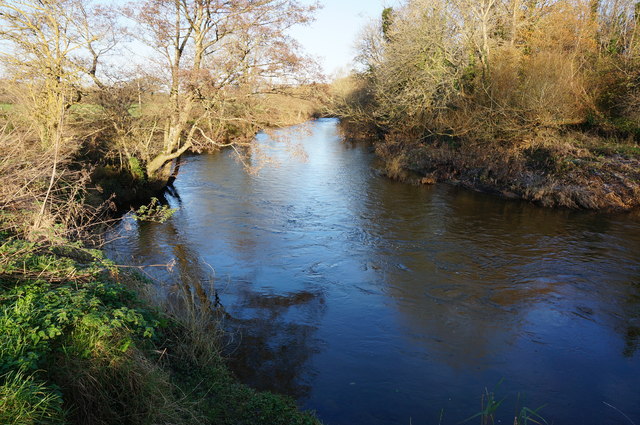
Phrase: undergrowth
x=80 y=344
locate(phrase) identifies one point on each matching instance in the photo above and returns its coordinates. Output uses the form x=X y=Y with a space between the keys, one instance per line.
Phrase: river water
x=377 y=302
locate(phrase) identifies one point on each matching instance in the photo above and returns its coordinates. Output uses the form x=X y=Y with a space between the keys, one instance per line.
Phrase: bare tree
x=422 y=63
x=215 y=53
x=370 y=45
x=48 y=48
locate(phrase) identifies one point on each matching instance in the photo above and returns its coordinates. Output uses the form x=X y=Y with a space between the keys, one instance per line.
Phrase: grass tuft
x=24 y=400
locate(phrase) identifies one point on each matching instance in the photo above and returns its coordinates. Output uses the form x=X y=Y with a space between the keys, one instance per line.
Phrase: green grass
x=622 y=149
x=24 y=400
x=135 y=110
x=491 y=407
x=626 y=126
x=86 y=108
x=82 y=108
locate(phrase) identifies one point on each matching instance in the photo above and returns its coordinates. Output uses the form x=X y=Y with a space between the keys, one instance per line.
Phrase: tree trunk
x=159 y=162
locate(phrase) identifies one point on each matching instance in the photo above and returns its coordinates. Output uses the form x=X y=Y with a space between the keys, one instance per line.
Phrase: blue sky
x=331 y=37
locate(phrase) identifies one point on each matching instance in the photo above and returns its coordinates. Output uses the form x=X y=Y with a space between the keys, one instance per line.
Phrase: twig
x=36 y=225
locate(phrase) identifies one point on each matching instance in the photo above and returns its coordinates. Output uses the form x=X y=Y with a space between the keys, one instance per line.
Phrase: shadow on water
x=269 y=350
x=373 y=301
x=272 y=352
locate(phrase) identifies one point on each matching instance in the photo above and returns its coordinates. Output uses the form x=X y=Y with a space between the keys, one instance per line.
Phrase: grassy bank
x=79 y=138
x=82 y=341
x=81 y=344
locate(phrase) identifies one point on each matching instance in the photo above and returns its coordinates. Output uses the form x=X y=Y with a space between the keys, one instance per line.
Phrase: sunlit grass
x=23 y=400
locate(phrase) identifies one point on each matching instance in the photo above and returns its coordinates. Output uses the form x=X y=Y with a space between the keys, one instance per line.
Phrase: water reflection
x=270 y=337
x=523 y=285
x=375 y=302
x=272 y=351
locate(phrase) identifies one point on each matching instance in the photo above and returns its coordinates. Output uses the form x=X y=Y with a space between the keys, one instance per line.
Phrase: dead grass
x=554 y=170
x=129 y=388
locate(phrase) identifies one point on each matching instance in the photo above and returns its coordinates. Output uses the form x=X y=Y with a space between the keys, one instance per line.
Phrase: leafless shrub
x=41 y=194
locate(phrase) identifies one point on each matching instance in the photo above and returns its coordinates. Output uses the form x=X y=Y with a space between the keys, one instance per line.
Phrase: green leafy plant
x=154 y=212
x=137 y=172
x=490 y=406
x=526 y=416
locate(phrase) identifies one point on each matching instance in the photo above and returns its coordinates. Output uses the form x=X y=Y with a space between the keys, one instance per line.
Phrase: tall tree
x=48 y=48
x=212 y=50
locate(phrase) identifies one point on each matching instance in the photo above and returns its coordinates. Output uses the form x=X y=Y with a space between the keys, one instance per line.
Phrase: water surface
x=377 y=302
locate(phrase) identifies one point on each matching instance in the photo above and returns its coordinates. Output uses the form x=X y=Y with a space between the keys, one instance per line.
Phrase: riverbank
x=541 y=104
x=574 y=170
x=445 y=291
x=83 y=342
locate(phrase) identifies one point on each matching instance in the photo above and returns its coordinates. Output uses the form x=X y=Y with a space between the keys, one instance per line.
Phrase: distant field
x=81 y=108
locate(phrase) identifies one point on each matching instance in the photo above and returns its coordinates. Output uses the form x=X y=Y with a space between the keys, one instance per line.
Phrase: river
x=376 y=302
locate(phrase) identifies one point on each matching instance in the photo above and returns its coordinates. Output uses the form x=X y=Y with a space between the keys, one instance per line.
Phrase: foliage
x=46 y=47
x=78 y=346
x=154 y=211
x=499 y=94
x=221 y=71
x=58 y=308
x=221 y=59
x=77 y=321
